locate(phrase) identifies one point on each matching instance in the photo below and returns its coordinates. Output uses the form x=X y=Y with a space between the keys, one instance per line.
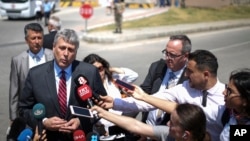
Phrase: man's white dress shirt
x=183 y=93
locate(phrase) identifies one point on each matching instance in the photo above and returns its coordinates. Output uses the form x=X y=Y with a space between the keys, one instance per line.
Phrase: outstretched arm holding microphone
x=180 y=126
x=125 y=122
x=160 y=103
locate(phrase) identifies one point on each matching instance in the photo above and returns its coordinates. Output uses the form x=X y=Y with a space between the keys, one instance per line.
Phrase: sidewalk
x=163 y=31
x=108 y=37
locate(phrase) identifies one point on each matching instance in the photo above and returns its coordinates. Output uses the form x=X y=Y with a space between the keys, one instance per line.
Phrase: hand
x=38 y=137
x=100 y=111
x=106 y=102
x=138 y=93
x=70 y=126
x=54 y=123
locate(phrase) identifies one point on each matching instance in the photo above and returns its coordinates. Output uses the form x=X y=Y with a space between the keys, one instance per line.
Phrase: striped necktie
x=62 y=94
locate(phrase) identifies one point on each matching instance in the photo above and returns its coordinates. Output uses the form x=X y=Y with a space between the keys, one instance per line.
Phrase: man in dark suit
x=158 y=77
x=43 y=85
x=54 y=24
x=21 y=64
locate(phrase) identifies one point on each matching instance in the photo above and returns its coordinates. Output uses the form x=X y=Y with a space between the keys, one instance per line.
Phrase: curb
x=157 y=32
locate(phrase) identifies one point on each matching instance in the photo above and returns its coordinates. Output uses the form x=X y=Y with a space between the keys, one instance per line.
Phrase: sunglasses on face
x=100 y=69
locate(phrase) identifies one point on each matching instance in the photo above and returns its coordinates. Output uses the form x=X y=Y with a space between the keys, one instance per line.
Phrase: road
x=231 y=46
x=70 y=17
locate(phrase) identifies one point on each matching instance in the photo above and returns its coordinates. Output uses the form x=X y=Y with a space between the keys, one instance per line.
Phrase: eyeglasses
x=101 y=68
x=170 y=55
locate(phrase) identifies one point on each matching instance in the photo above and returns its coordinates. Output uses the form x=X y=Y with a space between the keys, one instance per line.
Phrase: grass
x=186 y=15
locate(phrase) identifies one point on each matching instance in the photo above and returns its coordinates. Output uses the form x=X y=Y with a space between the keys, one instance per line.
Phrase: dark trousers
x=46 y=18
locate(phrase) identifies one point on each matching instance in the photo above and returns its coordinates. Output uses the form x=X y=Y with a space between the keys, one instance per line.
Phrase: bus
x=14 y=9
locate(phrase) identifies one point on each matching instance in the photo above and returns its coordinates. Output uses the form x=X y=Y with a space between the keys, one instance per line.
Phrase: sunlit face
x=64 y=53
x=34 y=40
x=175 y=129
x=101 y=70
x=233 y=99
x=175 y=60
x=197 y=78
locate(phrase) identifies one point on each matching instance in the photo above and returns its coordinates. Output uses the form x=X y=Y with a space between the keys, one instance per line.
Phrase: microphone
x=81 y=80
x=91 y=136
x=85 y=92
x=39 y=114
x=25 y=135
x=79 y=135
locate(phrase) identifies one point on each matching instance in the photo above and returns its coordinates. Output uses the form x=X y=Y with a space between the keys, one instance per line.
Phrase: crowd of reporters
x=37 y=113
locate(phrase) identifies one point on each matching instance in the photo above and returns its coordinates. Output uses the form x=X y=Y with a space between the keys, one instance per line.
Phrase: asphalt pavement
x=100 y=19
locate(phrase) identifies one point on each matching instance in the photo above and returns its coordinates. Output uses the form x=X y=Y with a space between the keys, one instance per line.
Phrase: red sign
x=86 y=11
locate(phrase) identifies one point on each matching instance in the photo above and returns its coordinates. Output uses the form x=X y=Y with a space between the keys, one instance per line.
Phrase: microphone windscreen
x=25 y=135
x=17 y=126
x=39 y=111
x=84 y=92
x=91 y=136
x=79 y=135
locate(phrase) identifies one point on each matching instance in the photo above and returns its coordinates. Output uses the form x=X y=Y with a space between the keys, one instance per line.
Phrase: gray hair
x=55 y=22
x=69 y=36
x=186 y=42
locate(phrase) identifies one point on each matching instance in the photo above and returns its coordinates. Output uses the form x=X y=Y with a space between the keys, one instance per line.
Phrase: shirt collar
x=39 y=54
x=177 y=73
x=215 y=88
x=58 y=70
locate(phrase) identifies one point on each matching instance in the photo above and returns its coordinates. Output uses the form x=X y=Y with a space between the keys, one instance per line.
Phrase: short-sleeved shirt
x=162 y=133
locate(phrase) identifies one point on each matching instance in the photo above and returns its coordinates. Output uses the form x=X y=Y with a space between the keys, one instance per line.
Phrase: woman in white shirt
x=109 y=75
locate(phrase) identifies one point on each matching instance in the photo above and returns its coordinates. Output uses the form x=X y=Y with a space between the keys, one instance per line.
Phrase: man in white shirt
x=201 y=71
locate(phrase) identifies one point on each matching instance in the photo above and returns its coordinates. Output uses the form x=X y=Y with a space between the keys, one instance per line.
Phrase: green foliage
x=187 y=15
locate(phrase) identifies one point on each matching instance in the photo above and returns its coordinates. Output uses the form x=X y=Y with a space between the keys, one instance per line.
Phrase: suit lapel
x=48 y=56
x=72 y=98
x=50 y=80
x=182 y=78
x=160 y=72
x=25 y=63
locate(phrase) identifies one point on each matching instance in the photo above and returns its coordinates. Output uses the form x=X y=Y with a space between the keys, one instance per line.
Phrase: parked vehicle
x=14 y=9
